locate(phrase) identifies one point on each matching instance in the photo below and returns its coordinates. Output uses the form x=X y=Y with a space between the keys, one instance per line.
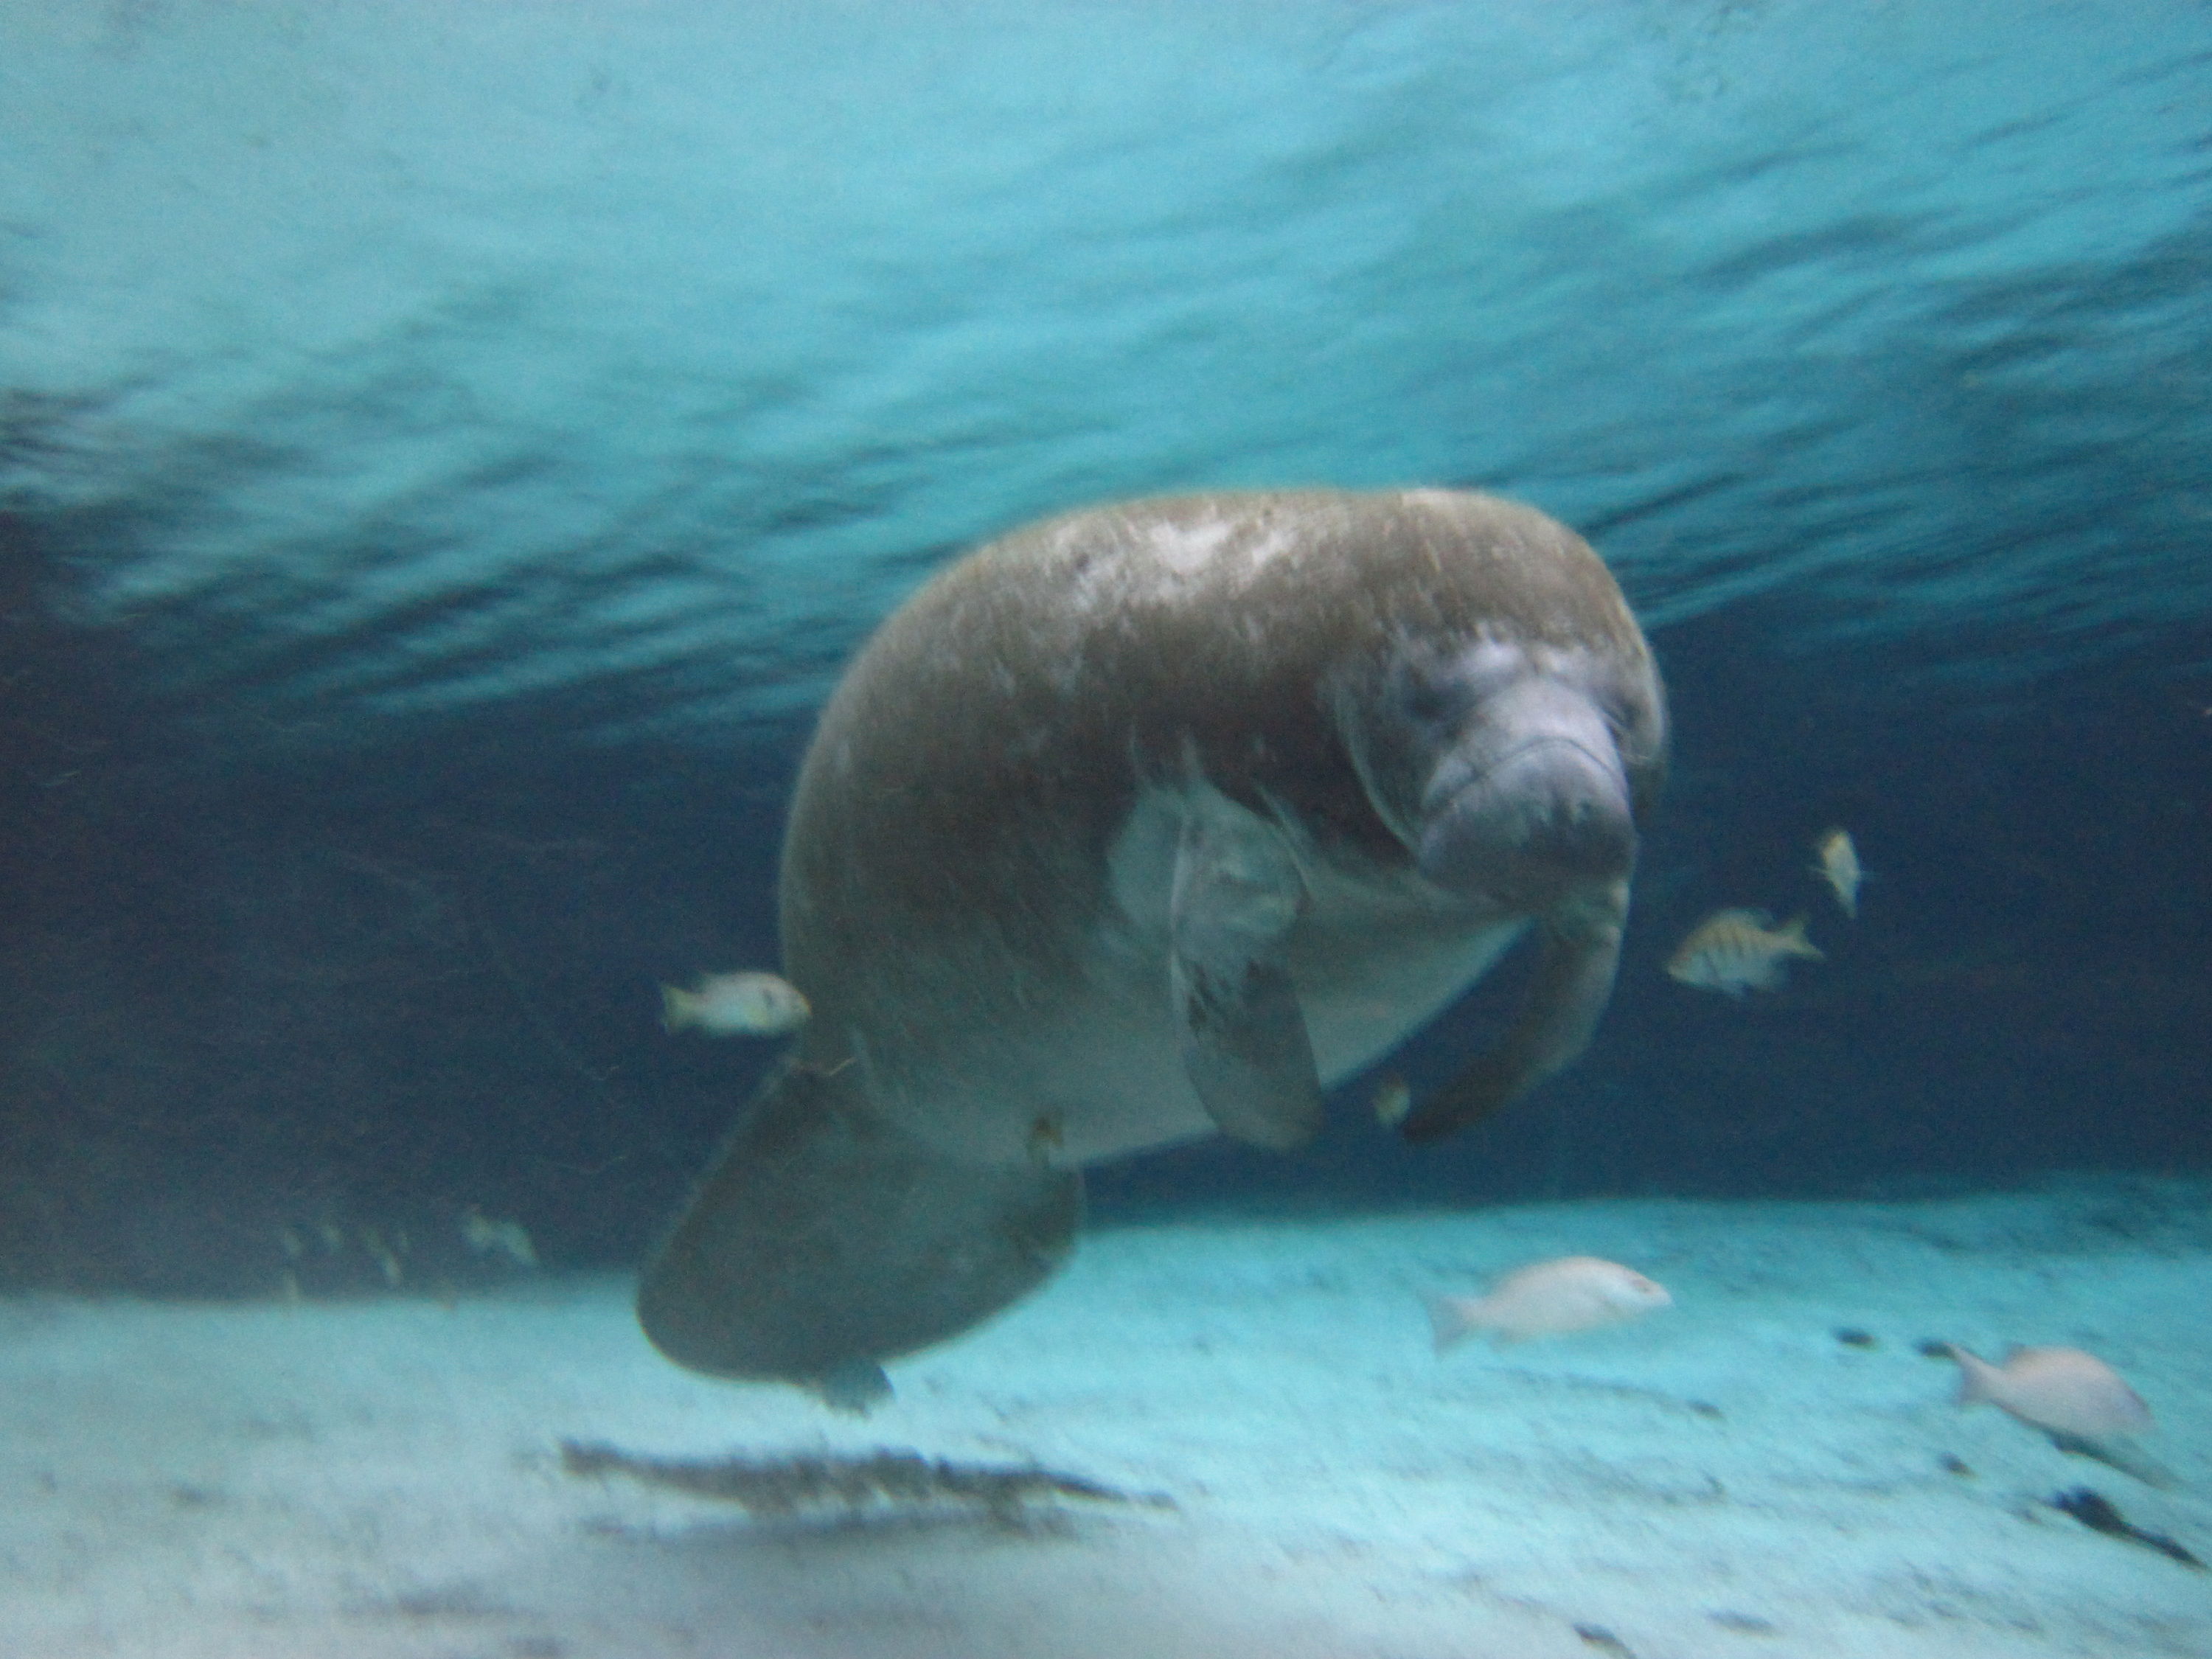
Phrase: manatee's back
x=946 y=863
x=945 y=859
x=944 y=843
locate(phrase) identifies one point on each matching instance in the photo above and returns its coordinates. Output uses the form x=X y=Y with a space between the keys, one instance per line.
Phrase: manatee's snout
x=1531 y=805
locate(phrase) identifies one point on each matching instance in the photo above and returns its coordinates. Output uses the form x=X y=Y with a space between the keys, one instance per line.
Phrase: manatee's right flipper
x=1578 y=953
x=822 y=1239
x=1245 y=1045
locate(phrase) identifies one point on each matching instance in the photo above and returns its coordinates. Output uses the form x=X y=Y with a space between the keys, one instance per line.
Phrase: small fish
x=486 y=1236
x=2061 y=1391
x=1839 y=868
x=1733 y=951
x=735 y=1004
x=1393 y=1098
x=1551 y=1298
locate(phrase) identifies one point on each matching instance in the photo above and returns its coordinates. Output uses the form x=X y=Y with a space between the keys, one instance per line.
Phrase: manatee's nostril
x=1550 y=817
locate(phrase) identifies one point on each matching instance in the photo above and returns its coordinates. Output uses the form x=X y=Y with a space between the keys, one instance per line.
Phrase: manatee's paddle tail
x=821 y=1238
x=1578 y=953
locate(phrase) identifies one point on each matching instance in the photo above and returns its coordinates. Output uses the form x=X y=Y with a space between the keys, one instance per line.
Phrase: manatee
x=1146 y=823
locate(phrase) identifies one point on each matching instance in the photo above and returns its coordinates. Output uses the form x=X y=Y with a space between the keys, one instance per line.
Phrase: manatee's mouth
x=1549 y=814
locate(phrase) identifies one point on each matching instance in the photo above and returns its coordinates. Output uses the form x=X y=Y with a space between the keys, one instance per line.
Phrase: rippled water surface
x=630 y=362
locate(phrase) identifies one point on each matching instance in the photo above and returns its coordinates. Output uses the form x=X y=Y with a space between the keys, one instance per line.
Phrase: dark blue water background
x=445 y=453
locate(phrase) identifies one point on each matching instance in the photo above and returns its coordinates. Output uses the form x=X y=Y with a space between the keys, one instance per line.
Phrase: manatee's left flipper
x=1578 y=953
x=1245 y=1045
x=823 y=1241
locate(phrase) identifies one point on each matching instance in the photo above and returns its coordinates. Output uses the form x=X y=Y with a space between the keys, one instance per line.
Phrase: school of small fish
x=2068 y=1394
x=2076 y=1398
x=2080 y=1402
x=748 y=1003
x=1736 y=950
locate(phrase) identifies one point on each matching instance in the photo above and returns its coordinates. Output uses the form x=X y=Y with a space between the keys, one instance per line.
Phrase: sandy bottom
x=383 y=1477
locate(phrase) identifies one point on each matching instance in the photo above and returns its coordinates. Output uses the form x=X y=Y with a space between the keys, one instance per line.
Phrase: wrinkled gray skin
x=1146 y=822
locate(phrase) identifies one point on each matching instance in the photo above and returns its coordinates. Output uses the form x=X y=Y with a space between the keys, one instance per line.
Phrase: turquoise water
x=625 y=367
x=446 y=453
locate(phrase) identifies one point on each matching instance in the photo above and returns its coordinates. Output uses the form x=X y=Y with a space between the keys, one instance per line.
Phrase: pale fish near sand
x=1733 y=951
x=2083 y=1404
x=1839 y=867
x=735 y=1004
x=1549 y=1298
x=2061 y=1390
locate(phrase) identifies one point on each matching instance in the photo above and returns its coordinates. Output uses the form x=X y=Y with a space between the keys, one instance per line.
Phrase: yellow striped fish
x=1839 y=868
x=1733 y=951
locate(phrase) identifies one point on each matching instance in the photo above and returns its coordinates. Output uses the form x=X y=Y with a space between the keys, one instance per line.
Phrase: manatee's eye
x=1626 y=715
x=1418 y=694
x=1634 y=730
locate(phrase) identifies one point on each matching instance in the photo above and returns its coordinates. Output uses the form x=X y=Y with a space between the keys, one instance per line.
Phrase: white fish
x=1839 y=868
x=735 y=1004
x=1551 y=1298
x=2063 y=1391
x=1733 y=951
